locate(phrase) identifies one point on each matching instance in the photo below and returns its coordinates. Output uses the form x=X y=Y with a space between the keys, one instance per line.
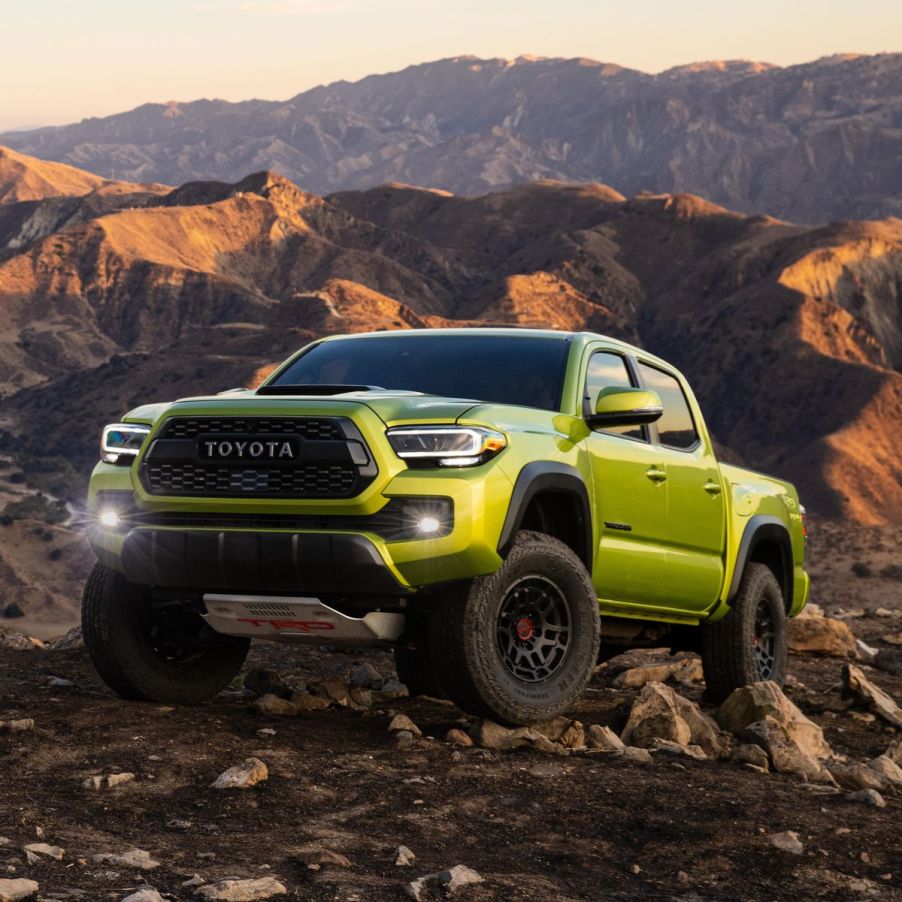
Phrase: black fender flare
x=761 y=527
x=539 y=476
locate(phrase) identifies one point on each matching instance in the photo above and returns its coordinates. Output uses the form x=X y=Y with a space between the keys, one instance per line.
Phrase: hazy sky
x=63 y=60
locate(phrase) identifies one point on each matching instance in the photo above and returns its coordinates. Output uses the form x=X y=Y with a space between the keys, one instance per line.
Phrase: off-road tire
x=465 y=645
x=114 y=624
x=729 y=646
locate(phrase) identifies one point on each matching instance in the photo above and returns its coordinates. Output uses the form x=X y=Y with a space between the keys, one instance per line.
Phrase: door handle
x=712 y=488
x=656 y=474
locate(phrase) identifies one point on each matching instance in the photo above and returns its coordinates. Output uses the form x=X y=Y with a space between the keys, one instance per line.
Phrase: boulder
x=661 y=713
x=821 y=636
x=242 y=776
x=856 y=685
x=762 y=701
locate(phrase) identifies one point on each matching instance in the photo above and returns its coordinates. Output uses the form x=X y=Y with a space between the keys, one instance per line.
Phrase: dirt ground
x=536 y=827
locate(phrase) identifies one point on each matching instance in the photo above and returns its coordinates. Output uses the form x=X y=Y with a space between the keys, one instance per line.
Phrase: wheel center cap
x=524 y=629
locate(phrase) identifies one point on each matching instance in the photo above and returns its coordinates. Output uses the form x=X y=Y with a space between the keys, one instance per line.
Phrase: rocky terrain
x=315 y=777
x=812 y=142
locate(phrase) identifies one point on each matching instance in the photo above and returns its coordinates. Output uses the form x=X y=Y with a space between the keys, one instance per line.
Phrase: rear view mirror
x=617 y=406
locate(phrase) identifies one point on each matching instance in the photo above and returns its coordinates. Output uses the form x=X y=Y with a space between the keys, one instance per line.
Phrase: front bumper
x=346 y=555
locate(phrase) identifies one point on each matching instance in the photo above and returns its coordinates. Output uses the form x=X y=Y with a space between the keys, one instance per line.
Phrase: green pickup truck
x=500 y=506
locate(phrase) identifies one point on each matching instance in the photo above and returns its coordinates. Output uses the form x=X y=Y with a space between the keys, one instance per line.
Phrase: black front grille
x=334 y=461
x=313 y=428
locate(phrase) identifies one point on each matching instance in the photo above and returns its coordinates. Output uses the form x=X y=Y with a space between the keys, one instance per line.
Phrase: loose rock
x=760 y=701
x=366 y=677
x=784 y=752
x=857 y=685
x=868 y=797
x=887 y=768
x=148 y=894
x=401 y=722
x=637 y=755
x=661 y=713
x=604 y=739
x=451 y=880
x=45 y=850
x=320 y=857
x=17 y=890
x=242 y=776
x=459 y=738
x=72 y=639
x=266 y=682
x=856 y=776
x=821 y=636
x=234 y=890
x=304 y=701
x=685 y=671
x=17 y=726
x=133 y=858
x=404 y=857
x=491 y=735
x=748 y=753
x=275 y=706
x=788 y=842
x=674 y=748
x=107 y=781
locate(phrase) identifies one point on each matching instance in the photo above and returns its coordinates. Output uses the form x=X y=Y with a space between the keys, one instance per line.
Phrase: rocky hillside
x=792 y=336
x=812 y=142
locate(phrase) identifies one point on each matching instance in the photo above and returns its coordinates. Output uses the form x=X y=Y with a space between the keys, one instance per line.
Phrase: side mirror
x=625 y=407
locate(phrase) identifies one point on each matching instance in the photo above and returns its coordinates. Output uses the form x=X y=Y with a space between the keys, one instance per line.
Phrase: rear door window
x=676 y=428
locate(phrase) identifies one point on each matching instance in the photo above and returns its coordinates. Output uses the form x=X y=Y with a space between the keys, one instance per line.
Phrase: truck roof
x=582 y=337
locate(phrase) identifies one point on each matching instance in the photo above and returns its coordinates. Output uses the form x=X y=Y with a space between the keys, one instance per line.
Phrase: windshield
x=509 y=369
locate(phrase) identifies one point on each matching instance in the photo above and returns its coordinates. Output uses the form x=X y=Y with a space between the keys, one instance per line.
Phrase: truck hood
x=392 y=407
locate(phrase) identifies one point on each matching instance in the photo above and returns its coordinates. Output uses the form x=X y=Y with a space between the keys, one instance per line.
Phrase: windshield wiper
x=337 y=389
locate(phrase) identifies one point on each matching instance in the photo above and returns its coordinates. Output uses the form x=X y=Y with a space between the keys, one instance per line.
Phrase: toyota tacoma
x=494 y=504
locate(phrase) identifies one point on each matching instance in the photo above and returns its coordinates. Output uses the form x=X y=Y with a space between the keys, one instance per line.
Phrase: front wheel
x=518 y=646
x=749 y=645
x=154 y=652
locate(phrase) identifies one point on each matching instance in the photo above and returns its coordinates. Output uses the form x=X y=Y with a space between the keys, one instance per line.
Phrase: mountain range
x=811 y=143
x=126 y=293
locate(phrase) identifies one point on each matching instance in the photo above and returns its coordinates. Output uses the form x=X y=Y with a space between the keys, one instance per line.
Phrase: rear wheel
x=518 y=646
x=154 y=652
x=749 y=645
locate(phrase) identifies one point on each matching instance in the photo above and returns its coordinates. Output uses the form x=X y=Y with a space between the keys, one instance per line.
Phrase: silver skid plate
x=295 y=619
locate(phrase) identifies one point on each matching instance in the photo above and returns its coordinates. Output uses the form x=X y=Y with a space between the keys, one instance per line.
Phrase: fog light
x=429 y=525
x=109 y=518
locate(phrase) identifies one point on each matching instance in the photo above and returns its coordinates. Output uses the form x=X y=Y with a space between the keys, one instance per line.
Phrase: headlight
x=445 y=446
x=121 y=442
